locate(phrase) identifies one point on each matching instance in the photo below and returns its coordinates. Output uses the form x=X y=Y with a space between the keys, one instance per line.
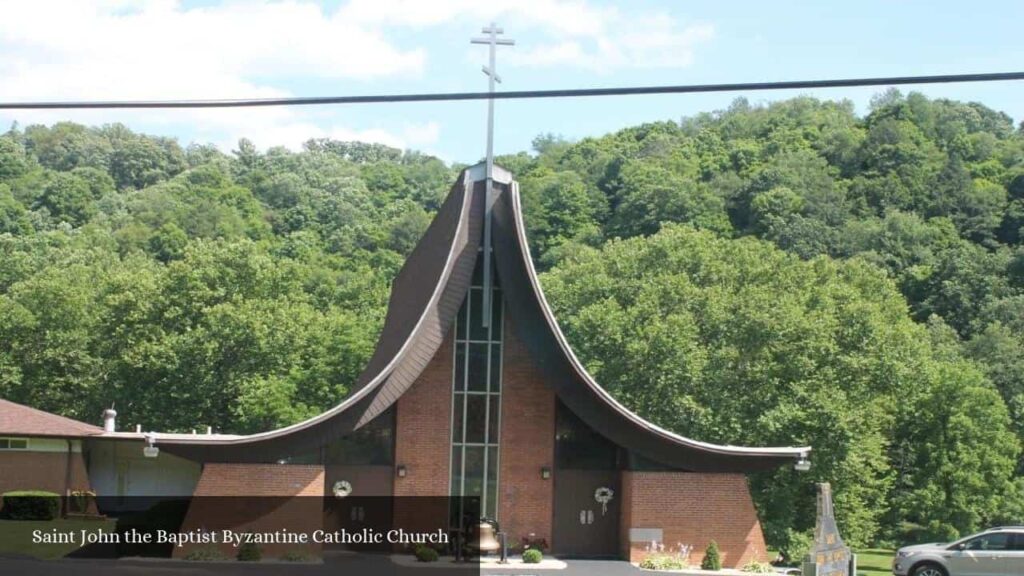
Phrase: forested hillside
x=783 y=274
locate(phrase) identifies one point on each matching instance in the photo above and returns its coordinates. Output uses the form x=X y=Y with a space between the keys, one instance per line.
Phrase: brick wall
x=423 y=432
x=689 y=508
x=525 y=500
x=257 y=498
x=692 y=509
x=41 y=471
x=260 y=480
x=423 y=428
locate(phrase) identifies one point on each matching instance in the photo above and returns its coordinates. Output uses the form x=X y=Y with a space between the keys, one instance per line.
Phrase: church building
x=472 y=390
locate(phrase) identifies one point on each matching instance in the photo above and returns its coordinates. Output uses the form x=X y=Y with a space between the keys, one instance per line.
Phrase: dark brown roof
x=425 y=298
x=19 y=420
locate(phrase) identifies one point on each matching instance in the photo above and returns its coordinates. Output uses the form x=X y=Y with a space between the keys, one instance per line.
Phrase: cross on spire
x=492 y=41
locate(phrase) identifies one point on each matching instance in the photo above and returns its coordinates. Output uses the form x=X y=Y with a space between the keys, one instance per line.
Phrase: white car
x=994 y=552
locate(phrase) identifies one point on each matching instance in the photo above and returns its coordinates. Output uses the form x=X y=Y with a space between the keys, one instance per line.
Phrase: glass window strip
x=491 y=459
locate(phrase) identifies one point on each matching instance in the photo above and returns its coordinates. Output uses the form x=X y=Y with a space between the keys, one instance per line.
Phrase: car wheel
x=929 y=569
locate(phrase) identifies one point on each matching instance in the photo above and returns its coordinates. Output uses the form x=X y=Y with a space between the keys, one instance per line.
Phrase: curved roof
x=425 y=298
x=535 y=324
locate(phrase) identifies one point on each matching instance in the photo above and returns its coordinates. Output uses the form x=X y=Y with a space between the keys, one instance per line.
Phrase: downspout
x=67 y=481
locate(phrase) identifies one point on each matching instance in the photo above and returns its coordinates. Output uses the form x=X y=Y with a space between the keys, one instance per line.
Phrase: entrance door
x=358 y=498
x=585 y=526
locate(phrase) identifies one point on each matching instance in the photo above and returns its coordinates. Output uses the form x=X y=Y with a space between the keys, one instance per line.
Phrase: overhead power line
x=519 y=94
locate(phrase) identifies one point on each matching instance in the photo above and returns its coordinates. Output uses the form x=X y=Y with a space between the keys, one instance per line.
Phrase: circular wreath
x=604 y=494
x=341 y=488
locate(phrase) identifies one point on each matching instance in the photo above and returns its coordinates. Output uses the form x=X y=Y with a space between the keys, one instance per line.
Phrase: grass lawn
x=16 y=535
x=870 y=561
x=875 y=561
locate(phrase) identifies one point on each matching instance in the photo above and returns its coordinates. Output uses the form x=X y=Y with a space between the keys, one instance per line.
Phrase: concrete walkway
x=355 y=564
x=485 y=564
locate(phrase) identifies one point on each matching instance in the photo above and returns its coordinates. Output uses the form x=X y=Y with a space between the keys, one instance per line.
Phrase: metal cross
x=490 y=70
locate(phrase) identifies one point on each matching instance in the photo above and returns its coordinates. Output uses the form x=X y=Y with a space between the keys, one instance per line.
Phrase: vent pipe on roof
x=109 y=420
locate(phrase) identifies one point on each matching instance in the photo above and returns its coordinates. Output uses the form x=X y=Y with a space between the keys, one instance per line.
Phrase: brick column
x=423 y=428
x=525 y=500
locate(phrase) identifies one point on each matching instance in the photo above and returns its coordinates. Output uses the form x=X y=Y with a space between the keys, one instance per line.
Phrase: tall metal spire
x=492 y=41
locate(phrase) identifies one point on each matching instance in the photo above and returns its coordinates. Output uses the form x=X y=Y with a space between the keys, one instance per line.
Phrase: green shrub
x=426 y=554
x=756 y=567
x=712 y=560
x=663 y=562
x=31 y=505
x=249 y=552
x=205 y=554
x=532 y=556
x=295 y=556
x=796 y=547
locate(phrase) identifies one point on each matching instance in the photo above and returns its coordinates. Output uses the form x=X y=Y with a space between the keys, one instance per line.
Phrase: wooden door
x=368 y=505
x=584 y=527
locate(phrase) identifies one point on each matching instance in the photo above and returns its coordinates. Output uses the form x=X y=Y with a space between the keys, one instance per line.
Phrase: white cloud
x=574 y=33
x=156 y=49
x=265 y=131
x=160 y=49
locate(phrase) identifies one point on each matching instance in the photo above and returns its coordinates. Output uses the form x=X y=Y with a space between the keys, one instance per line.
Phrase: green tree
x=168 y=242
x=557 y=208
x=13 y=160
x=963 y=455
x=711 y=560
x=651 y=195
x=681 y=326
x=68 y=198
x=137 y=161
x=65 y=146
x=13 y=216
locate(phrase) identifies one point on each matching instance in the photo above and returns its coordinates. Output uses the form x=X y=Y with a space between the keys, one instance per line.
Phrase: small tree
x=711 y=561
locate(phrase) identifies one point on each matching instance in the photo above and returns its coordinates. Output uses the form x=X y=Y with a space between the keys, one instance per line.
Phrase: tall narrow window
x=476 y=400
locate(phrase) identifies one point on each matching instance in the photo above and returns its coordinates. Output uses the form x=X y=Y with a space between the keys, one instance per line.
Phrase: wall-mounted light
x=802 y=465
x=545 y=473
x=401 y=471
x=150 y=450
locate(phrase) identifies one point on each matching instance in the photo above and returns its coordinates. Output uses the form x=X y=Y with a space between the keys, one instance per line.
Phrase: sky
x=167 y=49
